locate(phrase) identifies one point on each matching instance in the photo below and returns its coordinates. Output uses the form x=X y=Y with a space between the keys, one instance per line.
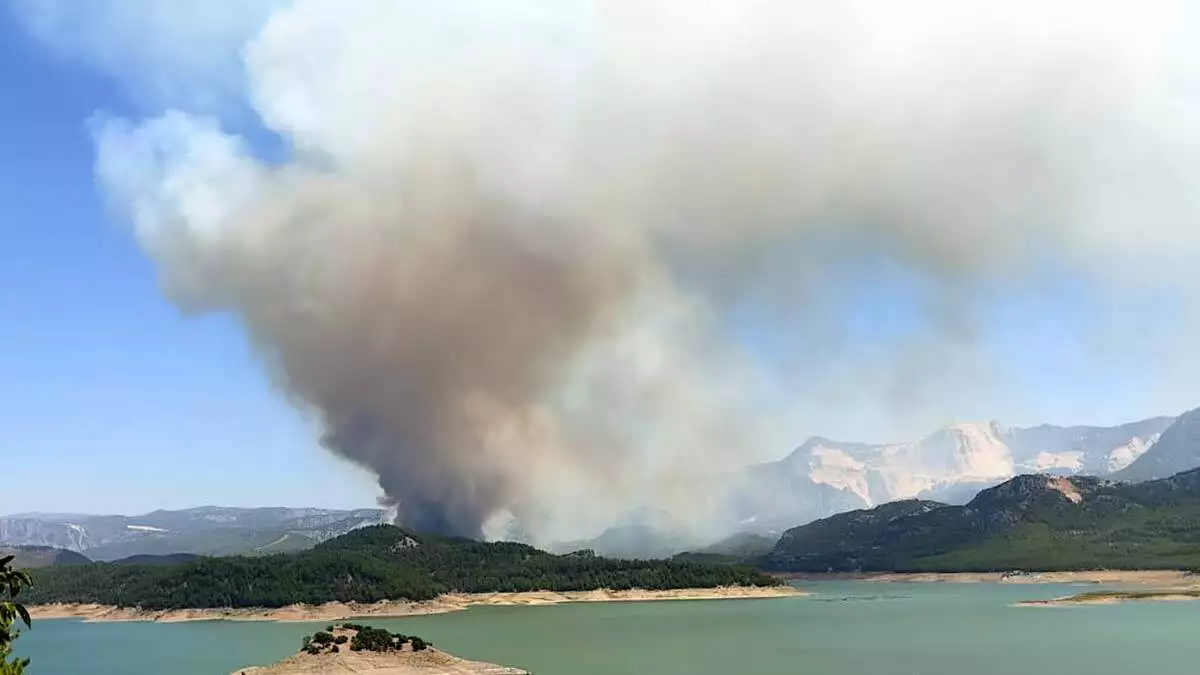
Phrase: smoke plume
x=504 y=259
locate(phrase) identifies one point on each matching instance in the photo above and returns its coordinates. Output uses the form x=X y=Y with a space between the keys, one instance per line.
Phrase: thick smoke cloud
x=501 y=261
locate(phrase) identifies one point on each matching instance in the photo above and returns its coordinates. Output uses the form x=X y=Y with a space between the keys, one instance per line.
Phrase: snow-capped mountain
x=952 y=463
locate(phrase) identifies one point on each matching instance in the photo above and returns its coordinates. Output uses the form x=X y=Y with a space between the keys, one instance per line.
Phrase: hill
x=1032 y=522
x=368 y=565
x=169 y=559
x=738 y=548
x=206 y=530
x=1178 y=449
x=33 y=557
x=631 y=542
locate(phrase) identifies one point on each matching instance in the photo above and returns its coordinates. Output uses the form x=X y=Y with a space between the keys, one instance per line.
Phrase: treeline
x=369 y=565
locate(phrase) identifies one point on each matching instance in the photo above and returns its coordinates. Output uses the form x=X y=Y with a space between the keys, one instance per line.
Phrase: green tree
x=11 y=582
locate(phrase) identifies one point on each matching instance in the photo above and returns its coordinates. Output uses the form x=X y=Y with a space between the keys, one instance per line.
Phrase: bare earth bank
x=333 y=611
x=403 y=661
x=1160 y=585
x=428 y=662
x=1159 y=578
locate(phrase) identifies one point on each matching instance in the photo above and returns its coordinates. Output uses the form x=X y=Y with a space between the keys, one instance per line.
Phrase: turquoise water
x=853 y=628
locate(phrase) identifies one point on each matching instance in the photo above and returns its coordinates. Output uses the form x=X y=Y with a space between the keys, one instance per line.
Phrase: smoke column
x=499 y=260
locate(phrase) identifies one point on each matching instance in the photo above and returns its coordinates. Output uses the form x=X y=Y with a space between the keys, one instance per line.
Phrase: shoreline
x=1170 y=579
x=454 y=602
x=1117 y=597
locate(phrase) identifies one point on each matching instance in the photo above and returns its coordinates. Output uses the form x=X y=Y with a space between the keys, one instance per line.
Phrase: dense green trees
x=369 y=565
x=12 y=581
x=1026 y=523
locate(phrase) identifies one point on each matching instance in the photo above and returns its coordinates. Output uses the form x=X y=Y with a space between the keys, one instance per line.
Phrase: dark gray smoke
x=500 y=262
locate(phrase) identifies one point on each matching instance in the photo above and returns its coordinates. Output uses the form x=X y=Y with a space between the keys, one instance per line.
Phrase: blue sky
x=113 y=401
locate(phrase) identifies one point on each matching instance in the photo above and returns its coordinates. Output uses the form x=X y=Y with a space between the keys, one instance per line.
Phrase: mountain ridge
x=204 y=530
x=1038 y=522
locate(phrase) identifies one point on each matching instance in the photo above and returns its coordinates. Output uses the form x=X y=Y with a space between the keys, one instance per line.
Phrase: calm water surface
x=852 y=628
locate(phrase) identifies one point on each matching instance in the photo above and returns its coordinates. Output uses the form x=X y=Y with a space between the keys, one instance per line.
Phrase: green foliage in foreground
x=12 y=581
x=369 y=565
x=1025 y=523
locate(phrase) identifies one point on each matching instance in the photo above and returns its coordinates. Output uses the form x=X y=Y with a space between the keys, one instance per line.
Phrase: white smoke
x=501 y=260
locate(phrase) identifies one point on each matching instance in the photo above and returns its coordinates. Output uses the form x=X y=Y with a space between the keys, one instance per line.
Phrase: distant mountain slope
x=32 y=557
x=742 y=545
x=739 y=548
x=368 y=565
x=1087 y=450
x=954 y=461
x=630 y=542
x=209 y=530
x=1177 y=450
x=1033 y=522
x=170 y=559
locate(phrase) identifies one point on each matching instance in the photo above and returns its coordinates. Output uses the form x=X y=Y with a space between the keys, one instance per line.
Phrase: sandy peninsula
x=334 y=611
x=1157 y=578
x=428 y=662
x=1114 y=597
x=404 y=662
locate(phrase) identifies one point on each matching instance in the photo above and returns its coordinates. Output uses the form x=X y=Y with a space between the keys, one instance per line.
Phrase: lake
x=850 y=628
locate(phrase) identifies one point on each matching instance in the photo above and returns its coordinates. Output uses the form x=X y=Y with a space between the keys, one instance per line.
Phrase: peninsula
x=354 y=648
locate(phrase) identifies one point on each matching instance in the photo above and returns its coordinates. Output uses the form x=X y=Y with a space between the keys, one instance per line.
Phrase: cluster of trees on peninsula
x=368 y=565
x=358 y=638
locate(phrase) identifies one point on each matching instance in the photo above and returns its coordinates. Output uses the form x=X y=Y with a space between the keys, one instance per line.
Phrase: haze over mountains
x=207 y=530
x=824 y=476
x=820 y=478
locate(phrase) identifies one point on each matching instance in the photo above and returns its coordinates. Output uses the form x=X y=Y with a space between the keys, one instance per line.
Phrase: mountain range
x=820 y=478
x=207 y=530
x=1031 y=522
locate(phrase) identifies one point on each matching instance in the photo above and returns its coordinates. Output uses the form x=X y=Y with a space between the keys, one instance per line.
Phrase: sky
x=117 y=401
x=114 y=401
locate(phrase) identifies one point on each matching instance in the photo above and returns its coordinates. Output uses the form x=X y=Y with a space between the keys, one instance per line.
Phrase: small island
x=353 y=648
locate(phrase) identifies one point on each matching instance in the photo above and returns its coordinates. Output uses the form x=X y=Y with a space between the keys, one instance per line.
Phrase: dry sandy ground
x=1110 y=599
x=403 y=662
x=428 y=662
x=333 y=611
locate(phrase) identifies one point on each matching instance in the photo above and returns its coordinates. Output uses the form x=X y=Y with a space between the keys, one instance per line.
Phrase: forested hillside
x=1034 y=522
x=368 y=565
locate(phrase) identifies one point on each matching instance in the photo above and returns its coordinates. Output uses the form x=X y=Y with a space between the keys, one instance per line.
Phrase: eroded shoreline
x=1166 y=579
x=1115 y=597
x=335 y=611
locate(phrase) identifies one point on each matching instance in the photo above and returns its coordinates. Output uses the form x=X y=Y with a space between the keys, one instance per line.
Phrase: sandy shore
x=1183 y=590
x=1157 y=578
x=428 y=662
x=334 y=611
